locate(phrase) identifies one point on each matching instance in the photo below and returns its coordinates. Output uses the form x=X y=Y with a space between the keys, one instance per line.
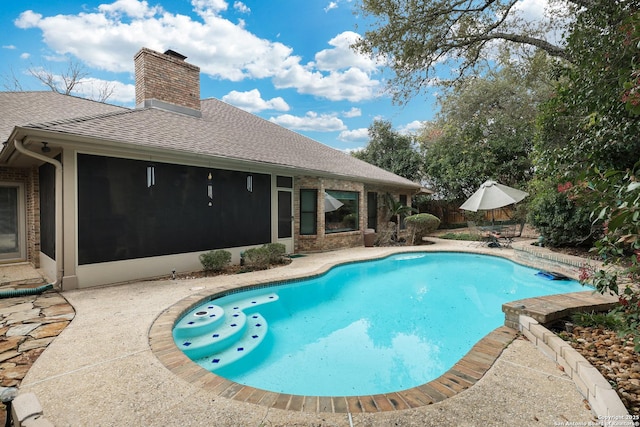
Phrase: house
x=93 y=193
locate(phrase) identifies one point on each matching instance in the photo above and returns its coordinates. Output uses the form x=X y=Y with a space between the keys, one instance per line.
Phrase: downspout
x=58 y=205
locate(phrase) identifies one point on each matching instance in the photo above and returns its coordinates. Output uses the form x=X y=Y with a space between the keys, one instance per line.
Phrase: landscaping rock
x=614 y=357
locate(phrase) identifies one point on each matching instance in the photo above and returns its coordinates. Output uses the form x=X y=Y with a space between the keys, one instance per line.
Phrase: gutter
x=58 y=206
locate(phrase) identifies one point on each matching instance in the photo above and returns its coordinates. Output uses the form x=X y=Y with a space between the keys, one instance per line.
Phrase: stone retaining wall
x=603 y=399
x=530 y=315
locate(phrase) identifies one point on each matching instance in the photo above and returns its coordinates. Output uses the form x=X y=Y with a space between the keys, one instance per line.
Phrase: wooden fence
x=450 y=213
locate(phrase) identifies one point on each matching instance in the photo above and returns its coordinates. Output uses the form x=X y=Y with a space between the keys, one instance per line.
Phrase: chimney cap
x=175 y=54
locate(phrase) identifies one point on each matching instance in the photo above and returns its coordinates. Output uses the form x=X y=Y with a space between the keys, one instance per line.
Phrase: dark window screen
x=47 y=183
x=372 y=210
x=308 y=211
x=284 y=181
x=120 y=217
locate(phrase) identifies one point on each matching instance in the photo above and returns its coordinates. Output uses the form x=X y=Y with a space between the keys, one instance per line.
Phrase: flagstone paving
x=28 y=325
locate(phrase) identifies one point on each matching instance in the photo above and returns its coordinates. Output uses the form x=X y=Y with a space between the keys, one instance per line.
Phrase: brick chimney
x=165 y=80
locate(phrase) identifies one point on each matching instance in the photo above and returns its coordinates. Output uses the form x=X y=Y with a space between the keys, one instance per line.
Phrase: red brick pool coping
x=460 y=377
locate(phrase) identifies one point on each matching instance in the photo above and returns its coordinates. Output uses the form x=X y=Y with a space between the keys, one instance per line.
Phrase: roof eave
x=29 y=134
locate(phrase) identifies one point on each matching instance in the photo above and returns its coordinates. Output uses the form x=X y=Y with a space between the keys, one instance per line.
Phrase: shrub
x=215 y=260
x=559 y=219
x=276 y=252
x=261 y=258
x=257 y=258
x=421 y=225
x=610 y=320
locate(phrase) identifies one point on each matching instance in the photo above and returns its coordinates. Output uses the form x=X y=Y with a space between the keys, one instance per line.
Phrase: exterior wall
x=383 y=211
x=322 y=241
x=325 y=242
x=29 y=178
x=166 y=78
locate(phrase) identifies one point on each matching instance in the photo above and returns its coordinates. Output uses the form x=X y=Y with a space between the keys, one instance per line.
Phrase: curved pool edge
x=465 y=373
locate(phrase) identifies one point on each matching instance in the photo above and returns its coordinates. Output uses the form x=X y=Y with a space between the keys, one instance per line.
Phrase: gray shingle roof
x=23 y=108
x=223 y=131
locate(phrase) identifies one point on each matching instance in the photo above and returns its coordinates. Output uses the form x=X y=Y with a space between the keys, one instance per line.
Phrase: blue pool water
x=362 y=328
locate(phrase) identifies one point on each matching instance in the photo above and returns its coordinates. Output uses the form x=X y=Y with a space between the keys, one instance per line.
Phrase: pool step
x=199 y=321
x=216 y=339
x=254 y=335
x=237 y=330
x=248 y=304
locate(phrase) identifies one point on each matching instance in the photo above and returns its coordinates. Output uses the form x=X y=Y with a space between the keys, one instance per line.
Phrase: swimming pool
x=362 y=328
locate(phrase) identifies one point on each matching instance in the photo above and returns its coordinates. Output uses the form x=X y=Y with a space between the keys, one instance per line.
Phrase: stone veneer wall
x=322 y=241
x=29 y=177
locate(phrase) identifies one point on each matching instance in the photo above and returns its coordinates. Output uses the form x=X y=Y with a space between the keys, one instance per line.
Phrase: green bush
x=215 y=260
x=421 y=225
x=276 y=252
x=560 y=220
x=261 y=258
x=607 y=320
x=257 y=258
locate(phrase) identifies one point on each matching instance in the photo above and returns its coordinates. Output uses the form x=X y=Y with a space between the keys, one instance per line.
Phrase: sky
x=287 y=61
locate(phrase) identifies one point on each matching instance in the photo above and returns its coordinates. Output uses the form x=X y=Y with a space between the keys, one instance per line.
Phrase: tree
x=391 y=151
x=589 y=124
x=485 y=129
x=65 y=83
x=62 y=83
x=418 y=36
x=618 y=196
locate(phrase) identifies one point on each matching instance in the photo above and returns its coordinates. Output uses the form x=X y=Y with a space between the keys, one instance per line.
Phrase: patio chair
x=510 y=233
x=481 y=237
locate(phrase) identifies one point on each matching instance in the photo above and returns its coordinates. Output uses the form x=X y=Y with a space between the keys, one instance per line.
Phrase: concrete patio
x=100 y=370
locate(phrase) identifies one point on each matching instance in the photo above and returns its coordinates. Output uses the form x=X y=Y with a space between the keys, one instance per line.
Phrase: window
x=308 y=212
x=372 y=210
x=284 y=181
x=341 y=211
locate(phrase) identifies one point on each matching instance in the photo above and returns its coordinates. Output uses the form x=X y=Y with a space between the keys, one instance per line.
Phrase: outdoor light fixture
x=210 y=189
x=250 y=183
x=151 y=175
x=45 y=148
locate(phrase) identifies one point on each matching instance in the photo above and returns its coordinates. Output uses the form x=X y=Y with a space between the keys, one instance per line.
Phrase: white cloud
x=411 y=127
x=25 y=55
x=354 y=112
x=241 y=7
x=342 y=56
x=312 y=121
x=352 y=150
x=252 y=101
x=28 y=19
x=207 y=6
x=331 y=5
x=132 y=8
x=108 y=37
x=9 y=46
x=352 y=85
x=355 y=135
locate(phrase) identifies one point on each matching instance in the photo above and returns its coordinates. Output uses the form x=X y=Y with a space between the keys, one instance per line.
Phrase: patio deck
x=101 y=370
